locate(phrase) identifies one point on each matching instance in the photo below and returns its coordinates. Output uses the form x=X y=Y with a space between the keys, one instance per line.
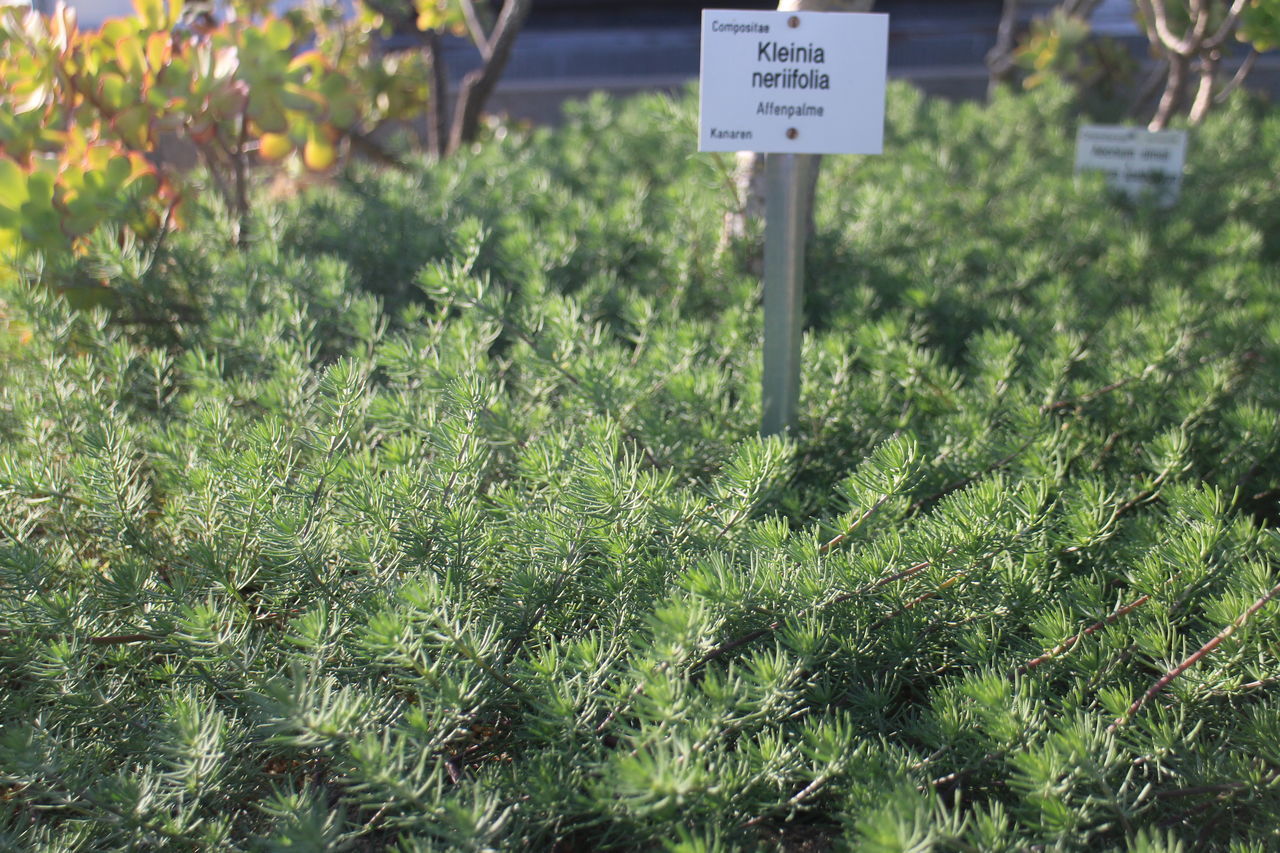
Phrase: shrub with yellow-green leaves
x=82 y=115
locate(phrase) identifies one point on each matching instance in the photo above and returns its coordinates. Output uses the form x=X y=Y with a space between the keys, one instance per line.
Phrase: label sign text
x=793 y=82
x=1133 y=160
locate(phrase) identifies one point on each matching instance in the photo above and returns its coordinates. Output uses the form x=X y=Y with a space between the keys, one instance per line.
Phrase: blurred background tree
x=1189 y=41
x=492 y=30
x=1002 y=59
x=1190 y=38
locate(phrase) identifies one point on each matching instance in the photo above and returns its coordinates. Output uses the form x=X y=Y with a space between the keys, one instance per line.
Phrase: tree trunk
x=1204 y=95
x=999 y=59
x=1174 y=89
x=437 y=95
x=748 y=176
x=448 y=130
x=479 y=84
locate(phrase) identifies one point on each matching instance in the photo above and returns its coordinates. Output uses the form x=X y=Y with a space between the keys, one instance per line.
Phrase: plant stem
x=1092 y=629
x=1238 y=79
x=1208 y=647
x=477 y=85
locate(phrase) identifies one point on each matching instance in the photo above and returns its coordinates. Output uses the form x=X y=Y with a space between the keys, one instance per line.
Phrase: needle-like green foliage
x=436 y=519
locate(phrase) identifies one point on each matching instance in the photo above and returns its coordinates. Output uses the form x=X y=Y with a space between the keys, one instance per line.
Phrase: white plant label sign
x=793 y=82
x=1134 y=160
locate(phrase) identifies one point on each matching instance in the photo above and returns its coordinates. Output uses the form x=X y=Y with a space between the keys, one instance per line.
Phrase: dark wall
x=561 y=14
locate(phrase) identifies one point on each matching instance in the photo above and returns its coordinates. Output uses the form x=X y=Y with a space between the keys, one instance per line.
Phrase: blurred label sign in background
x=1135 y=161
x=793 y=82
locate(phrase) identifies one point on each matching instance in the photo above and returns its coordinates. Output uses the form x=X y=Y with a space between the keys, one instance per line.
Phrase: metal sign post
x=790 y=85
x=784 y=241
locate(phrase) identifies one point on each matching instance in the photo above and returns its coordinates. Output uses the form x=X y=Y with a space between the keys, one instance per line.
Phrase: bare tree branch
x=478 y=35
x=437 y=106
x=1204 y=94
x=1200 y=13
x=999 y=59
x=1241 y=73
x=1174 y=89
x=1228 y=24
x=1148 y=89
x=1160 y=19
x=479 y=84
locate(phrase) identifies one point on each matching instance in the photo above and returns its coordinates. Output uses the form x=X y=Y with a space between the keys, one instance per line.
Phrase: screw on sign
x=790 y=86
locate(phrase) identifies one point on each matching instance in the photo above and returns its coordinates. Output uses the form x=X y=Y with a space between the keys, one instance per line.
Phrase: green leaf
x=13 y=185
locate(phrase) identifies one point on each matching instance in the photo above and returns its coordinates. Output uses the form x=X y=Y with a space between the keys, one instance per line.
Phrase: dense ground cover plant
x=435 y=519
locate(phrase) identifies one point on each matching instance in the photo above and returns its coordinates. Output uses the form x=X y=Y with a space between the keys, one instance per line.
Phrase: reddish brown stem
x=738 y=642
x=752 y=636
x=799 y=797
x=1224 y=788
x=125 y=639
x=884 y=620
x=1092 y=629
x=1225 y=791
x=636 y=691
x=966 y=480
x=840 y=539
x=1021 y=448
x=1085 y=398
x=1191 y=661
x=905 y=573
x=959 y=774
x=110 y=640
